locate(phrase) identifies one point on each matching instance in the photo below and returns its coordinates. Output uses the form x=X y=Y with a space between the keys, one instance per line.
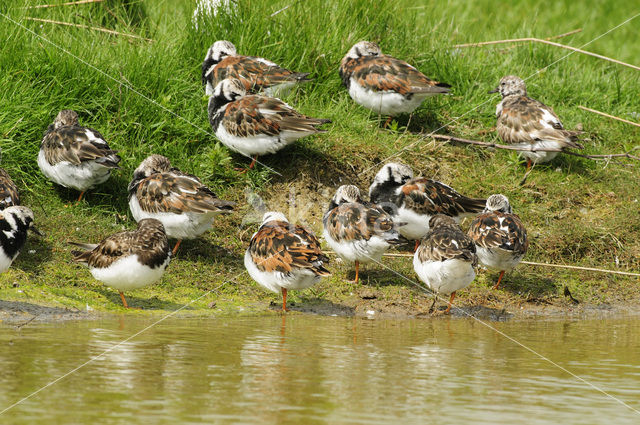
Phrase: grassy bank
x=146 y=97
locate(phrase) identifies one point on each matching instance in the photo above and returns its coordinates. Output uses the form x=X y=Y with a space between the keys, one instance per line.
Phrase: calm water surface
x=320 y=370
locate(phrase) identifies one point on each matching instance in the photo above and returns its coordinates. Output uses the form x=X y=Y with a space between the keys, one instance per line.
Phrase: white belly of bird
x=187 y=225
x=444 y=276
x=128 y=273
x=80 y=177
x=259 y=144
x=5 y=261
x=385 y=103
x=360 y=250
x=274 y=281
x=498 y=259
x=417 y=225
x=539 y=156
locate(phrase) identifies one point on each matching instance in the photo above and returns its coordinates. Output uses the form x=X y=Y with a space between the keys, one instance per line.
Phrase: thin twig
x=108 y=31
x=71 y=3
x=551 y=43
x=613 y=117
x=530 y=263
x=603 y=157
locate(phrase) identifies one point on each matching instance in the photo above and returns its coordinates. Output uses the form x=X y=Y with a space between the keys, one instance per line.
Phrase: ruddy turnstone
x=180 y=201
x=256 y=74
x=528 y=124
x=75 y=156
x=500 y=237
x=283 y=256
x=256 y=125
x=446 y=258
x=128 y=260
x=15 y=221
x=384 y=84
x=358 y=232
x=414 y=201
x=8 y=191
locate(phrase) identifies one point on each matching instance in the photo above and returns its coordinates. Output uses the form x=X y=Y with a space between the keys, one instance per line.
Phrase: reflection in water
x=306 y=369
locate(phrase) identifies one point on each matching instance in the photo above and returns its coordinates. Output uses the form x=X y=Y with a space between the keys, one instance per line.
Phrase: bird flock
x=247 y=116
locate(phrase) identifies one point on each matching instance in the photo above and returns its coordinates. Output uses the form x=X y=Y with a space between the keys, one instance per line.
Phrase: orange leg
x=357 y=278
x=499 y=280
x=528 y=164
x=177 y=245
x=253 y=163
x=415 y=248
x=284 y=300
x=124 y=301
x=387 y=122
x=80 y=197
x=453 y=295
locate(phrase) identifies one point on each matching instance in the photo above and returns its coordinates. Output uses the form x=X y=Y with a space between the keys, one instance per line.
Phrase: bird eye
x=502 y=84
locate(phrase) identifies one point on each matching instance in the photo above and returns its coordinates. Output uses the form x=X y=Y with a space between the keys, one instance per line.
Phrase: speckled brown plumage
x=149 y=242
x=430 y=197
x=76 y=144
x=354 y=221
x=8 y=191
x=496 y=229
x=279 y=246
x=254 y=114
x=521 y=121
x=446 y=241
x=386 y=73
x=254 y=74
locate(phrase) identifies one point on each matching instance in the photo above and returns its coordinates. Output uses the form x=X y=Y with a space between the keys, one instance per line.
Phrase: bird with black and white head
x=413 y=201
x=15 y=223
x=258 y=75
x=255 y=125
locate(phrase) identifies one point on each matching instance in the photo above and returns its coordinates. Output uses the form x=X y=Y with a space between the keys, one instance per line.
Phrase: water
x=321 y=370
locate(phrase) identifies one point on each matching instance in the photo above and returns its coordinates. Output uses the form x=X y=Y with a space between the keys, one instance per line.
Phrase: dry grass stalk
x=551 y=43
x=71 y=3
x=108 y=31
x=613 y=117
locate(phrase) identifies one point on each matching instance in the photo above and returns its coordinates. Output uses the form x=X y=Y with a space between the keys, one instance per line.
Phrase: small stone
x=371 y=312
x=212 y=304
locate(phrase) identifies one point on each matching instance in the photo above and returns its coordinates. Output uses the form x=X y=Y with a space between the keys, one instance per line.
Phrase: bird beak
x=35 y=230
x=493 y=91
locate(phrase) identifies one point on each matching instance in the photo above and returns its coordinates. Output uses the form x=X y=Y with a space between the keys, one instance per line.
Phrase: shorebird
x=184 y=205
x=446 y=258
x=128 y=260
x=499 y=235
x=356 y=231
x=283 y=256
x=75 y=156
x=384 y=84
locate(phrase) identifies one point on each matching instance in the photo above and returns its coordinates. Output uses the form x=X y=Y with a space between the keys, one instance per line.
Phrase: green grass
x=576 y=211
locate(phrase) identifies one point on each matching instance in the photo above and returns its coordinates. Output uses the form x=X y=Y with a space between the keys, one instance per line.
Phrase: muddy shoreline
x=19 y=314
